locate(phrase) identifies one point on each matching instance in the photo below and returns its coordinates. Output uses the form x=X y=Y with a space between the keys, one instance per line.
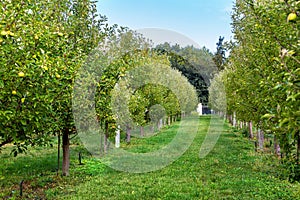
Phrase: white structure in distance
x=199 y=109
x=117 y=139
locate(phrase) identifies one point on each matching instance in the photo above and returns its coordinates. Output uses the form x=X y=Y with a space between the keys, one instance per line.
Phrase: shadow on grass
x=26 y=166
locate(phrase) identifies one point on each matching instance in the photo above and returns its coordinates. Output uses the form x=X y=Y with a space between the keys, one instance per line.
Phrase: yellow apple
x=23 y=100
x=11 y=34
x=292 y=17
x=21 y=74
x=57 y=76
x=14 y=92
x=4 y=32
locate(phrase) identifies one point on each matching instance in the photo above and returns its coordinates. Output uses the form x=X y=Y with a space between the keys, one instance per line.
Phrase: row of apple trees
x=134 y=88
x=44 y=45
x=261 y=75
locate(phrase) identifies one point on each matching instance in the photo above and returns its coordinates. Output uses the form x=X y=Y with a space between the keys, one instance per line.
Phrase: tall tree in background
x=219 y=57
x=195 y=64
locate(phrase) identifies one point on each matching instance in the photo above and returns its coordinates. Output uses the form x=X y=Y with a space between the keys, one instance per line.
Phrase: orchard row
x=59 y=57
x=261 y=75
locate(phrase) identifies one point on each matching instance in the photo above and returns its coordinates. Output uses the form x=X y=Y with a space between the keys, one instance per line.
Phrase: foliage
x=219 y=57
x=195 y=64
x=43 y=44
x=262 y=73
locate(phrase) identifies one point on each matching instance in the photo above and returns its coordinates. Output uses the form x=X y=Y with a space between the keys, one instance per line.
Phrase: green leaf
x=283 y=122
x=267 y=116
x=1 y=84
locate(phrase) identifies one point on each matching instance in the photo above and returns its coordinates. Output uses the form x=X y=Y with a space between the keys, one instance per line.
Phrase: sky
x=199 y=21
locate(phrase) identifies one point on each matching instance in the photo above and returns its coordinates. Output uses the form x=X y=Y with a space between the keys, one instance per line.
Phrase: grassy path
x=230 y=171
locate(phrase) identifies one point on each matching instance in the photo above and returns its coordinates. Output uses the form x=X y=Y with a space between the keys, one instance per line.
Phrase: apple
x=23 y=100
x=11 y=34
x=21 y=74
x=14 y=92
x=4 y=32
x=292 y=17
x=7 y=33
x=57 y=76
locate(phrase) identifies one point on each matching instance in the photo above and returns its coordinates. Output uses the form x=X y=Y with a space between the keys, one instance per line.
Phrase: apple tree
x=262 y=73
x=43 y=43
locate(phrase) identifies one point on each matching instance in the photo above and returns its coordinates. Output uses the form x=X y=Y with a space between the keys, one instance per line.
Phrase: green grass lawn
x=232 y=170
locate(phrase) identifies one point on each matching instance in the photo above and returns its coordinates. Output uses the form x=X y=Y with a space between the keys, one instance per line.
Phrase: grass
x=152 y=143
x=232 y=170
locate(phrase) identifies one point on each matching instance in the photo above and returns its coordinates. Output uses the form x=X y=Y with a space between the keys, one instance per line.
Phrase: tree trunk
x=142 y=131
x=260 y=139
x=229 y=118
x=66 y=152
x=159 y=124
x=182 y=115
x=276 y=146
x=128 y=134
x=58 y=153
x=152 y=128
x=234 y=120
x=251 y=130
x=101 y=145
x=298 y=147
x=169 y=121
x=117 y=138
x=106 y=138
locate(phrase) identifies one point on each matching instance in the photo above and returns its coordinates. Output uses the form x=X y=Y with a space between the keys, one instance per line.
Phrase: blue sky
x=203 y=21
